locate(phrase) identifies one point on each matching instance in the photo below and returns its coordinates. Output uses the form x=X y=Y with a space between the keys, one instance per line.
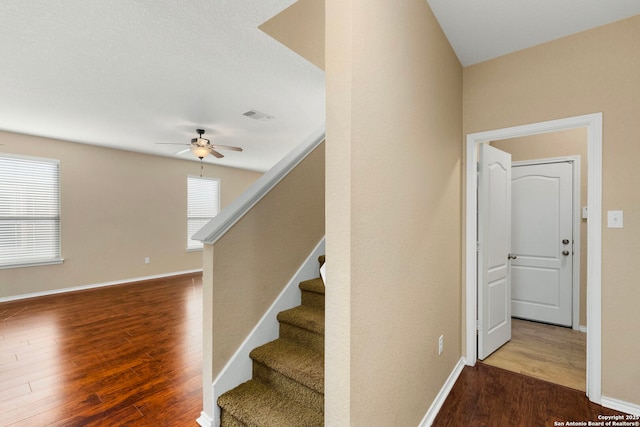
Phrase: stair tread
x=304 y=317
x=294 y=361
x=267 y=407
x=313 y=285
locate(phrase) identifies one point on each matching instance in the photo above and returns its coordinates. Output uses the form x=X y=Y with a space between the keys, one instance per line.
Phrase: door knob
x=565 y=242
x=512 y=256
x=565 y=253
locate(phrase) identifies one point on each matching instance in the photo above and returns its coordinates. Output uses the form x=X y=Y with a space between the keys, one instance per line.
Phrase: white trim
x=33 y=264
x=593 y=123
x=231 y=214
x=620 y=405
x=583 y=329
x=205 y=420
x=323 y=270
x=239 y=367
x=575 y=223
x=97 y=285
x=437 y=403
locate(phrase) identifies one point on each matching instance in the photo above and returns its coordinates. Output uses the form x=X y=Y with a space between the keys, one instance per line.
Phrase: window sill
x=33 y=264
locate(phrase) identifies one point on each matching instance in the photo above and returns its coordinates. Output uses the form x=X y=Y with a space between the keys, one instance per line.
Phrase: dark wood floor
x=121 y=355
x=485 y=395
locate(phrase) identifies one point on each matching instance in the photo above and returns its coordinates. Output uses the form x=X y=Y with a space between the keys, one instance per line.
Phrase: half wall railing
x=256 y=250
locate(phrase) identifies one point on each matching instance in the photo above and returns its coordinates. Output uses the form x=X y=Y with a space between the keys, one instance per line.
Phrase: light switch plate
x=615 y=219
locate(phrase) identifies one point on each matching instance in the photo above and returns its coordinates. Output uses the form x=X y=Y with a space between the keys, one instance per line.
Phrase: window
x=203 y=203
x=29 y=211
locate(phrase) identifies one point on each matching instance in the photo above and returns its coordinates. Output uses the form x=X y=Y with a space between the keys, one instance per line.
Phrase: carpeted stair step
x=293 y=370
x=304 y=325
x=312 y=293
x=256 y=404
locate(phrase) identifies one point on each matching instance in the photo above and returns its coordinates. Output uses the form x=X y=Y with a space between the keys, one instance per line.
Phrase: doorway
x=543 y=241
x=593 y=125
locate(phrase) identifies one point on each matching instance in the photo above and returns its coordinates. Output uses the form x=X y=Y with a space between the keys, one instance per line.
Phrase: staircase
x=287 y=388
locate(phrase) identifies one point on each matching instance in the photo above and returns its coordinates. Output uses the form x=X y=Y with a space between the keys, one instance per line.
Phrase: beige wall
x=572 y=142
x=300 y=27
x=394 y=119
x=257 y=257
x=117 y=207
x=594 y=71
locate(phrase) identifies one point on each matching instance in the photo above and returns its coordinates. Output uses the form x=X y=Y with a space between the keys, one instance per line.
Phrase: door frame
x=593 y=124
x=575 y=228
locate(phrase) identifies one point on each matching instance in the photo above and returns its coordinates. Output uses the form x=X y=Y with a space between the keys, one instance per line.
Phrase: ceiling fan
x=202 y=147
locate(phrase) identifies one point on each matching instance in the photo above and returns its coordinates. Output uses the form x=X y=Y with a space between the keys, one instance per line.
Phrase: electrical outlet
x=147 y=260
x=440 y=344
x=614 y=219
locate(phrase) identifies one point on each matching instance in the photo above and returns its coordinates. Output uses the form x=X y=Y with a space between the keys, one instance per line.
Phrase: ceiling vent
x=257 y=115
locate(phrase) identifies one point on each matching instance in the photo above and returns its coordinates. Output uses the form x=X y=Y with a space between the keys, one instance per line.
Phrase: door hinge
x=477 y=166
x=477 y=325
x=477 y=246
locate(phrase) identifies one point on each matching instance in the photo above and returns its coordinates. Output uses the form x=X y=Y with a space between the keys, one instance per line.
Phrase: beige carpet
x=287 y=388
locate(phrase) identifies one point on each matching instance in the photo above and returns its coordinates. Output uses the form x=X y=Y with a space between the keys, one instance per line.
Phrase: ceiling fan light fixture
x=200 y=151
x=200 y=141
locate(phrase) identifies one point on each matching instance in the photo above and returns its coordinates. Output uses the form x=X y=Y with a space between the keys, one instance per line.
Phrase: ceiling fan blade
x=181 y=151
x=170 y=143
x=227 y=147
x=215 y=153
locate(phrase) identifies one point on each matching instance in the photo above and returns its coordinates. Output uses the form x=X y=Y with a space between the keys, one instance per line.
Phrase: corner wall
x=593 y=71
x=394 y=120
x=117 y=207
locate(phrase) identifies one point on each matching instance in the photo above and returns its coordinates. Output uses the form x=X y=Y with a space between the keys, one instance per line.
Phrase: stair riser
x=228 y=420
x=302 y=336
x=288 y=387
x=313 y=299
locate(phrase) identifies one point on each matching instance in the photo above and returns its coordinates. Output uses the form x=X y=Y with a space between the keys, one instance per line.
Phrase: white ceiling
x=479 y=30
x=130 y=73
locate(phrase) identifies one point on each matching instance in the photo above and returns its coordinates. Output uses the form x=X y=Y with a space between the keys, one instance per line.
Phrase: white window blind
x=203 y=204
x=29 y=211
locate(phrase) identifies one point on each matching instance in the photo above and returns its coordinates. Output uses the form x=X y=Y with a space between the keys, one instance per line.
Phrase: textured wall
x=394 y=120
x=300 y=27
x=117 y=207
x=257 y=257
x=594 y=71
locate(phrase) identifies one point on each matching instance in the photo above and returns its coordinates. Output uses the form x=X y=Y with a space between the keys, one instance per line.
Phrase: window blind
x=203 y=204
x=29 y=211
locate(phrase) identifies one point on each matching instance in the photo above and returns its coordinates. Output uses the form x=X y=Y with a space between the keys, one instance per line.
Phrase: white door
x=494 y=240
x=542 y=241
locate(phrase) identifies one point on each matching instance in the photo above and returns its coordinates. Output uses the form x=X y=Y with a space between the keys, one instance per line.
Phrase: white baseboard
x=442 y=394
x=582 y=329
x=97 y=285
x=205 y=420
x=239 y=368
x=619 y=405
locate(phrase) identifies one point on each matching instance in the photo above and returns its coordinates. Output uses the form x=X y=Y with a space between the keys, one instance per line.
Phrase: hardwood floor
x=114 y=356
x=547 y=352
x=485 y=395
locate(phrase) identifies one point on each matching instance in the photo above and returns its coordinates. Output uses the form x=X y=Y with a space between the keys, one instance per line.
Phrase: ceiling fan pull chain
x=201 y=166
